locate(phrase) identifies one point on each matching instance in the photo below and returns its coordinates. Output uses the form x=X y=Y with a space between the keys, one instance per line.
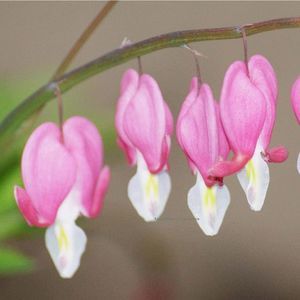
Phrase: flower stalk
x=83 y=38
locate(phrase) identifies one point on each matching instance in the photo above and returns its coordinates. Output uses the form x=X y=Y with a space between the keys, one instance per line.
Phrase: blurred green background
x=255 y=255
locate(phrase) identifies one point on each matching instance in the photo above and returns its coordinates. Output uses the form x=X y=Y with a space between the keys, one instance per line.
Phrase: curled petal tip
x=277 y=154
x=226 y=168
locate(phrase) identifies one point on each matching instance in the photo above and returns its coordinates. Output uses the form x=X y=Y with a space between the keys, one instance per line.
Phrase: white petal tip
x=66 y=242
x=151 y=221
x=256 y=209
x=298 y=164
x=208 y=205
x=149 y=193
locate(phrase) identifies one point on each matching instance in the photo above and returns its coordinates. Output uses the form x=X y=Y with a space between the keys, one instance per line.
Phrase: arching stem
x=60 y=110
x=121 y=55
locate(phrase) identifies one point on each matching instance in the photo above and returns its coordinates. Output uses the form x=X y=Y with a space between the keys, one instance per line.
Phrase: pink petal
x=99 y=194
x=295 y=98
x=169 y=120
x=48 y=171
x=198 y=132
x=27 y=210
x=145 y=123
x=264 y=78
x=84 y=143
x=226 y=168
x=129 y=86
x=129 y=151
x=277 y=154
x=191 y=97
x=243 y=110
x=223 y=142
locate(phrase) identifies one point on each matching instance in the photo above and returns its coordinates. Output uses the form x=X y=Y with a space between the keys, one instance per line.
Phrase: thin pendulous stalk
x=83 y=38
x=121 y=55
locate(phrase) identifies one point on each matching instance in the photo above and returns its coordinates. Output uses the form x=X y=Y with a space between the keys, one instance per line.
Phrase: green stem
x=116 y=57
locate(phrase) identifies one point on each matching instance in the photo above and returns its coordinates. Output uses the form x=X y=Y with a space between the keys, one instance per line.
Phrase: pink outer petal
x=223 y=142
x=169 y=120
x=264 y=78
x=84 y=142
x=129 y=151
x=277 y=154
x=198 y=132
x=129 y=86
x=48 y=171
x=191 y=97
x=145 y=123
x=295 y=98
x=243 y=110
x=27 y=210
x=99 y=194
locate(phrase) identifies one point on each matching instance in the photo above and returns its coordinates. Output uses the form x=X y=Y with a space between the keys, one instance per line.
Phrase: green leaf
x=12 y=262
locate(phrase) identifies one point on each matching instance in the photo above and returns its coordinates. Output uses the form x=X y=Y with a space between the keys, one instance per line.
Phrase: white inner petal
x=208 y=205
x=254 y=179
x=66 y=241
x=147 y=192
x=298 y=163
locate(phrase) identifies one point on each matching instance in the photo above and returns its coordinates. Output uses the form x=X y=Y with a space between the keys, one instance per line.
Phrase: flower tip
x=225 y=168
x=277 y=154
x=256 y=208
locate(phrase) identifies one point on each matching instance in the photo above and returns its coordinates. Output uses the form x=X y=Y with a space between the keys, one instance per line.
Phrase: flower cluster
x=207 y=131
x=64 y=176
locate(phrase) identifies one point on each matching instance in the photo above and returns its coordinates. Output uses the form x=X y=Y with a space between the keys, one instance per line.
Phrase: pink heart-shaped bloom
x=200 y=132
x=54 y=167
x=143 y=121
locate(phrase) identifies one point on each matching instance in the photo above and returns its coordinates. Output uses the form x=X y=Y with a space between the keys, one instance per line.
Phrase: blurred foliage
x=12 y=222
x=13 y=262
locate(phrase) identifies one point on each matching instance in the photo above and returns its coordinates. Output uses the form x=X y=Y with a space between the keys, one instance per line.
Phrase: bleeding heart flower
x=64 y=177
x=201 y=137
x=248 y=110
x=144 y=124
x=295 y=99
x=254 y=177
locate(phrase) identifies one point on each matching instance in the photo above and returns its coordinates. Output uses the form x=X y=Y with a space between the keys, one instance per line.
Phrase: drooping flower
x=144 y=125
x=295 y=99
x=248 y=109
x=200 y=135
x=64 y=178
